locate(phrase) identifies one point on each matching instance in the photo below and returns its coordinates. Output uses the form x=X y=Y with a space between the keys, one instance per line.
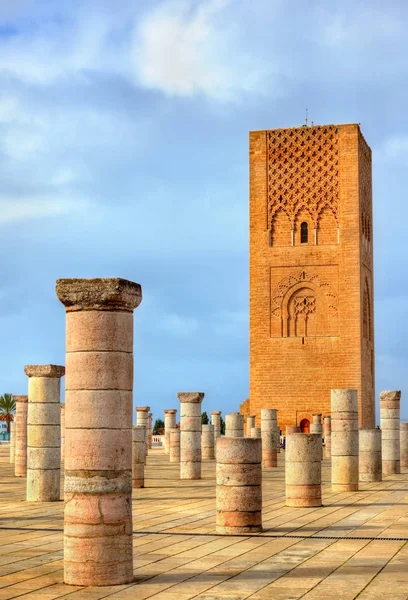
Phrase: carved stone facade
x=311 y=271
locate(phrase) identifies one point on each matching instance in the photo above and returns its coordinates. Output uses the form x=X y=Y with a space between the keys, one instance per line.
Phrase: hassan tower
x=311 y=272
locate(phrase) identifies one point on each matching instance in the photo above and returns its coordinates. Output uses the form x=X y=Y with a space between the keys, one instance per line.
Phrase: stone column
x=269 y=433
x=316 y=426
x=250 y=423
x=216 y=421
x=292 y=429
x=234 y=425
x=98 y=429
x=20 y=456
x=44 y=432
x=62 y=431
x=138 y=456
x=190 y=435
x=344 y=449
x=303 y=470
x=256 y=432
x=207 y=442
x=404 y=444
x=175 y=445
x=390 y=426
x=327 y=436
x=239 y=486
x=150 y=431
x=142 y=419
x=369 y=465
x=169 y=423
x=12 y=440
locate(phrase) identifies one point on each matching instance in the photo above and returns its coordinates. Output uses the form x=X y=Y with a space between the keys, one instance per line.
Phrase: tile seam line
x=378 y=572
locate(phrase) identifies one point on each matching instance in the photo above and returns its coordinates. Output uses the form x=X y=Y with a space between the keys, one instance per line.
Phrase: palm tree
x=7 y=409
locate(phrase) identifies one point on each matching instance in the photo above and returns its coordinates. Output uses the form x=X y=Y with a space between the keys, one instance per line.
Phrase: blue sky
x=124 y=152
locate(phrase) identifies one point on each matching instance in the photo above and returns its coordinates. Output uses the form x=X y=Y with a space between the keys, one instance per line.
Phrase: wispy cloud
x=15 y=210
x=184 y=49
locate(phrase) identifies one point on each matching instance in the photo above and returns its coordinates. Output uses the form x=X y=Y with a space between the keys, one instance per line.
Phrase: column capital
x=170 y=411
x=44 y=371
x=390 y=395
x=110 y=293
x=20 y=398
x=216 y=412
x=190 y=397
x=142 y=409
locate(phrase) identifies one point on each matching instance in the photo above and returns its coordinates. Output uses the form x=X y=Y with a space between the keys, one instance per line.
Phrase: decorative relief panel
x=366 y=199
x=303 y=302
x=303 y=173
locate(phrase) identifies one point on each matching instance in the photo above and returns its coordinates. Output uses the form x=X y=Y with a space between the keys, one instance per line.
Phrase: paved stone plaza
x=354 y=546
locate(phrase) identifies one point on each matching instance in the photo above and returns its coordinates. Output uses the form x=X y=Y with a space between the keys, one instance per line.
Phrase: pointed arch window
x=304 y=233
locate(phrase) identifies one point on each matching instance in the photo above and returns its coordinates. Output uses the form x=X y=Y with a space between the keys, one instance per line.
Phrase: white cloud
x=15 y=210
x=182 y=49
x=178 y=325
x=395 y=149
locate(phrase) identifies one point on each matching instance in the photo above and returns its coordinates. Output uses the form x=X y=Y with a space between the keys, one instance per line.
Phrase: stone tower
x=311 y=272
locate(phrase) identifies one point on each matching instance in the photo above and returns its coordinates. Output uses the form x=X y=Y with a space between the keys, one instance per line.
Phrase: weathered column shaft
x=216 y=421
x=327 y=436
x=344 y=438
x=239 y=486
x=303 y=470
x=390 y=427
x=404 y=444
x=12 y=440
x=175 y=445
x=369 y=465
x=234 y=425
x=44 y=432
x=207 y=442
x=270 y=437
x=256 y=432
x=98 y=547
x=20 y=456
x=62 y=431
x=169 y=423
x=138 y=456
x=190 y=435
x=250 y=423
x=150 y=431
x=316 y=426
x=142 y=419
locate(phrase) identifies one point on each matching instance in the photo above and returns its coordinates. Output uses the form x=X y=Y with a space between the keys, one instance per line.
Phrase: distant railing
x=158 y=439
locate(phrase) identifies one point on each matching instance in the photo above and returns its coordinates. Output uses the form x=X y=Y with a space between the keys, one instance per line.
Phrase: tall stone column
x=327 y=436
x=98 y=429
x=142 y=419
x=390 y=426
x=303 y=470
x=44 y=432
x=234 y=425
x=150 y=431
x=12 y=440
x=190 y=435
x=404 y=444
x=169 y=423
x=239 y=486
x=62 y=431
x=256 y=432
x=269 y=433
x=138 y=456
x=20 y=457
x=175 y=445
x=207 y=442
x=344 y=420
x=250 y=423
x=316 y=426
x=216 y=421
x=369 y=466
